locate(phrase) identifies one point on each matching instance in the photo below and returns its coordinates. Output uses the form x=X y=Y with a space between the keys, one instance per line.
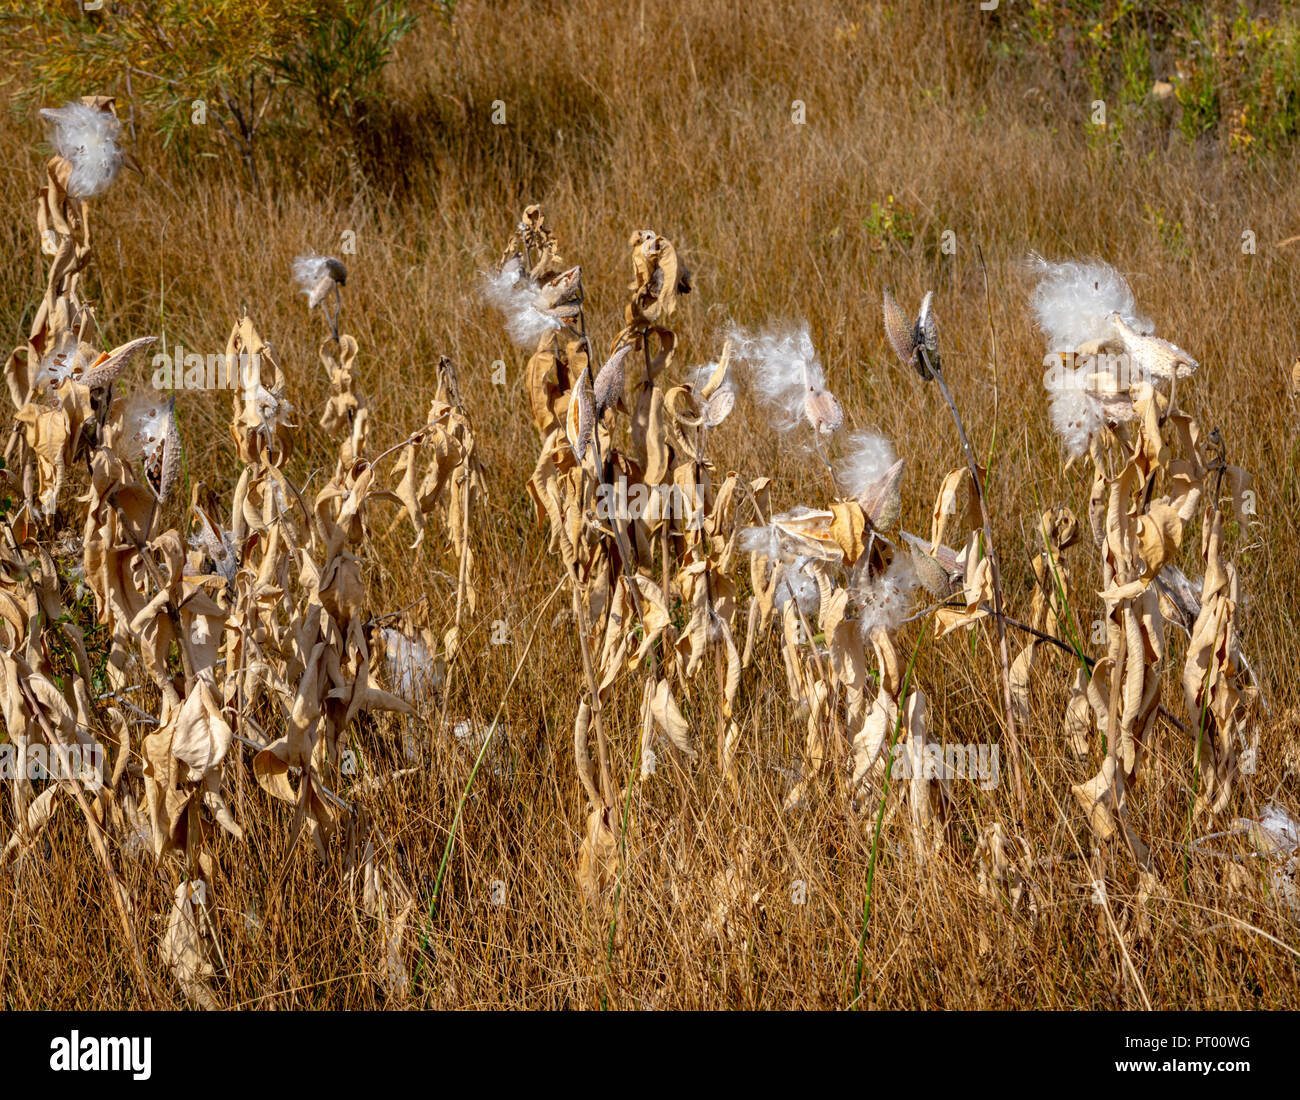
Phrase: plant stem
x=999 y=614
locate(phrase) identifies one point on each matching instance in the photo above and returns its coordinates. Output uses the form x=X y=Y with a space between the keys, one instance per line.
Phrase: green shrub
x=1234 y=69
x=237 y=66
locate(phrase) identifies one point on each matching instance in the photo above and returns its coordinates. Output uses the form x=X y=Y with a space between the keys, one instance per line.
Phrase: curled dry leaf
x=598 y=857
x=187 y=944
x=1020 y=670
x=40 y=811
x=201 y=736
x=667 y=716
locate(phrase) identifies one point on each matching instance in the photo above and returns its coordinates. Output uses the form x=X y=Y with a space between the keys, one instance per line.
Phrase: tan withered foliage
x=817 y=558
x=345 y=412
x=561 y=355
x=671 y=796
x=450 y=488
x=37 y=711
x=1049 y=616
x=897 y=727
x=624 y=616
x=894 y=729
x=1138 y=517
x=62 y=323
x=256 y=637
x=534 y=246
x=245 y=642
x=1059 y=530
x=1221 y=697
x=262 y=425
x=550 y=375
x=660 y=278
x=958 y=503
x=60 y=384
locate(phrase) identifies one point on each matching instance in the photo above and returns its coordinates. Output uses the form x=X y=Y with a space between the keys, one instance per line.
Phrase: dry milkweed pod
x=821 y=407
x=318 y=276
x=898 y=329
x=1150 y=356
x=151 y=433
x=882 y=501
x=916 y=343
x=108 y=367
x=581 y=420
x=610 y=381
x=562 y=296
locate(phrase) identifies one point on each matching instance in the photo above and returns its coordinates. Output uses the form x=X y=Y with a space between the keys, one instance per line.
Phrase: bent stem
x=999 y=612
x=830 y=470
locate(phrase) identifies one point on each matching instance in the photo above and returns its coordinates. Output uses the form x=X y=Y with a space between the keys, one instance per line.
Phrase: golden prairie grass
x=621 y=118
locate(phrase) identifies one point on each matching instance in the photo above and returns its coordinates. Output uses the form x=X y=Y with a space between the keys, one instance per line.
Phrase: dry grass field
x=682 y=119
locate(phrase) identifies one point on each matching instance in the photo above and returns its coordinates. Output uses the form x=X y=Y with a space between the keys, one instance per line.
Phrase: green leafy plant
x=341 y=54
x=888 y=224
x=200 y=67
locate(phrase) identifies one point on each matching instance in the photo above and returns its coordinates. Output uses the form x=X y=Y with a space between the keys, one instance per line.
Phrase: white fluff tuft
x=512 y=295
x=1283 y=830
x=796 y=580
x=886 y=599
x=1073 y=302
x=146 y=420
x=786 y=375
x=760 y=540
x=1076 y=414
x=310 y=269
x=871 y=456
x=698 y=377
x=409 y=664
x=86 y=137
